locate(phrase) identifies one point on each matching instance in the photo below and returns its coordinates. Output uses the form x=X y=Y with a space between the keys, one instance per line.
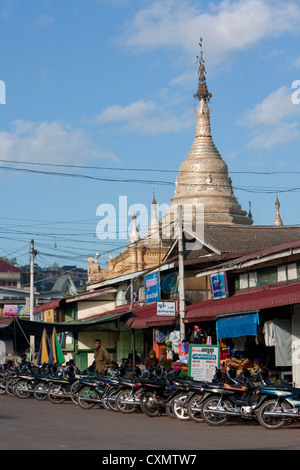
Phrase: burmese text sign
x=203 y=360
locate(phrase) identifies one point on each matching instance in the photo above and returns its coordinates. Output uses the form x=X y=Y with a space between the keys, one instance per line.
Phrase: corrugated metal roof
x=8 y=268
x=34 y=327
x=145 y=317
x=238 y=238
x=229 y=239
x=48 y=306
x=258 y=299
x=285 y=249
x=114 y=280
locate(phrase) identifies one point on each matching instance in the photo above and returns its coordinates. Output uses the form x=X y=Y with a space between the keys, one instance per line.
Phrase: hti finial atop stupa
x=203 y=176
x=202 y=91
x=278 y=220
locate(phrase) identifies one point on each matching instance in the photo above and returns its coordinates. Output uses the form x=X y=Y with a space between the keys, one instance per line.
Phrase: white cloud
x=297 y=63
x=226 y=27
x=145 y=117
x=273 y=121
x=134 y=111
x=47 y=143
x=44 y=20
x=273 y=109
x=280 y=134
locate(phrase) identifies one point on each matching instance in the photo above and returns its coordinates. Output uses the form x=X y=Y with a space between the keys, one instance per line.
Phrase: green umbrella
x=55 y=354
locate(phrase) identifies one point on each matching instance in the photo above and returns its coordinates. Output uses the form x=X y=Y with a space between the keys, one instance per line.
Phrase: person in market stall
x=151 y=361
x=101 y=357
x=22 y=361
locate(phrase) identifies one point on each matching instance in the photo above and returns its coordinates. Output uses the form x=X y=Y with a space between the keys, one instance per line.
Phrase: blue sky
x=110 y=84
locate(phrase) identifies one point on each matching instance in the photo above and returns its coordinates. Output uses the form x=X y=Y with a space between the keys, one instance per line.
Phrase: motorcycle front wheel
x=40 y=391
x=110 y=401
x=170 y=412
x=57 y=393
x=85 y=395
x=2 y=386
x=127 y=408
x=21 y=389
x=9 y=387
x=211 y=412
x=180 y=410
x=194 y=408
x=272 y=421
x=74 y=390
x=149 y=406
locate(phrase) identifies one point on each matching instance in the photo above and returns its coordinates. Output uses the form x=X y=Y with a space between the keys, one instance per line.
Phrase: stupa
x=203 y=176
x=203 y=182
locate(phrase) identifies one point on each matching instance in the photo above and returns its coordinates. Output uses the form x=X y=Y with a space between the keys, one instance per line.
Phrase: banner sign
x=166 y=309
x=24 y=312
x=151 y=287
x=218 y=285
x=20 y=311
x=10 y=310
x=203 y=360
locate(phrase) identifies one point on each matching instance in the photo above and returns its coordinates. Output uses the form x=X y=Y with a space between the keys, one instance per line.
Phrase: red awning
x=117 y=311
x=48 y=306
x=145 y=317
x=261 y=298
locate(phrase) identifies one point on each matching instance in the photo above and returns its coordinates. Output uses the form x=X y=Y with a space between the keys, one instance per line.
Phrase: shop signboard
x=218 y=285
x=151 y=287
x=203 y=360
x=10 y=310
x=166 y=309
x=49 y=315
x=23 y=312
x=20 y=311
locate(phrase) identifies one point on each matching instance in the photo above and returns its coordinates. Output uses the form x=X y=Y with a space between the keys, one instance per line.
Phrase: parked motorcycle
x=109 y=397
x=160 y=392
x=199 y=393
x=28 y=378
x=129 y=395
x=281 y=405
x=83 y=380
x=59 y=385
x=237 y=397
x=91 y=391
x=14 y=375
x=5 y=376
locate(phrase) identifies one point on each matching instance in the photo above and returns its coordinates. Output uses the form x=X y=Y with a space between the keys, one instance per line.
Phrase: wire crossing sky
x=96 y=103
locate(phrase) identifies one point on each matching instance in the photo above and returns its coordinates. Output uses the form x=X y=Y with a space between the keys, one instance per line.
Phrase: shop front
x=256 y=329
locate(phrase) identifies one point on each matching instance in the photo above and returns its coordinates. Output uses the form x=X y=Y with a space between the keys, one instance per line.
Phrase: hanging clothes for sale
x=161 y=334
x=269 y=333
x=283 y=339
x=175 y=338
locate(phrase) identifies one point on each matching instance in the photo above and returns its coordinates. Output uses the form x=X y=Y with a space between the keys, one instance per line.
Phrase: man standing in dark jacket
x=152 y=360
x=101 y=357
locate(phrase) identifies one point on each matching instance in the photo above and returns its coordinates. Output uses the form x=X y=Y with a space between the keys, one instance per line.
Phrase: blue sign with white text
x=218 y=283
x=151 y=287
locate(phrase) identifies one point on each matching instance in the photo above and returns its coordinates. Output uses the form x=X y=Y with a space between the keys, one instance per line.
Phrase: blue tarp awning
x=237 y=325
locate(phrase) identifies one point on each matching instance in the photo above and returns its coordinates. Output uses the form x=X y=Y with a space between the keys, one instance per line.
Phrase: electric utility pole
x=181 y=274
x=32 y=255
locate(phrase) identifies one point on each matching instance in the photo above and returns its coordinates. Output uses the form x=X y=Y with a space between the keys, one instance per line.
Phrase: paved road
x=33 y=425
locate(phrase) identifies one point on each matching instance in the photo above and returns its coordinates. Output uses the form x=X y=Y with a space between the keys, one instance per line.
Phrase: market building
x=203 y=187
x=233 y=271
x=257 y=314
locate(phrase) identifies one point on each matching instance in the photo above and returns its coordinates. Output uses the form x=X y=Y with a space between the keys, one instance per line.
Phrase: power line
x=157 y=170
x=262 y=190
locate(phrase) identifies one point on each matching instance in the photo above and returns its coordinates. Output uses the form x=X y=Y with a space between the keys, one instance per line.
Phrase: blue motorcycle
x=281 y=406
